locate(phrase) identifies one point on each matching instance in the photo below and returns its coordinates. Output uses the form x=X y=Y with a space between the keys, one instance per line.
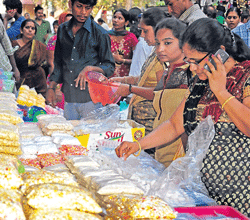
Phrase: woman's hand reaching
x=117 y=79
x=123 y=90
x=125 y=149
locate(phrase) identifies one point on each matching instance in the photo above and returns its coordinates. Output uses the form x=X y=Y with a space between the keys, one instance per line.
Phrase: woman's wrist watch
x=130 y=88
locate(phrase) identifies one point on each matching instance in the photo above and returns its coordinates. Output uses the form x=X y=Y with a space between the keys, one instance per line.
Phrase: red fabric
x=235 y=84
x=125 y=44
x=62 y=17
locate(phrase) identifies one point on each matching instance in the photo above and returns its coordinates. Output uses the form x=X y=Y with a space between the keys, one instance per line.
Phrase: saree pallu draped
x=29 y=60
x=140 y=109
x=168 y=97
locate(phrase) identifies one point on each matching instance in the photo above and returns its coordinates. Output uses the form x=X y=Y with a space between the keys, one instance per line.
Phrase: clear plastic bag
x=180 y=184
x=9 y=176
x=57 y=167
x=43 y=176
x=29 y=149
x=9 y=95
x=10 y=203
x=137 y=207
x=73 y=162
x=69 y=141
x=30 y=161
x=54 y=122
x=10 y=116
x=99 y=120
x=142 y=170
x=60 y=196
x=8 y=131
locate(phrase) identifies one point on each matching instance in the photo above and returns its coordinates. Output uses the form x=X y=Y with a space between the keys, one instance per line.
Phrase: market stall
x=52 y=168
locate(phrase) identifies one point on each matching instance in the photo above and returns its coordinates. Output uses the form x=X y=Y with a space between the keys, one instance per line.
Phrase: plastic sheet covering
x=10 y=205
x=142 y=170
x=59 y=196
x=180 y=184
x=99 y=120
x=41 y=214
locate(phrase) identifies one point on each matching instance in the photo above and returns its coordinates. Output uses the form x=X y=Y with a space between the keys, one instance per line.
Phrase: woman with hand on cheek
x=223 y=93
x=123 y=43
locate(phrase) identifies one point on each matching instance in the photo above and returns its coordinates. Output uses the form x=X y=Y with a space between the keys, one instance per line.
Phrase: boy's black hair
x=153 y=15
x=244 y=15
x=100 y=20
x=14 y=4
x=176 y=26
x=38 y=7
x=55 y=23
x=86 y=2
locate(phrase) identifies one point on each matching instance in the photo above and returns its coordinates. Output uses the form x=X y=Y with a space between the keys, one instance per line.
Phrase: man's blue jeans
x=76 y=111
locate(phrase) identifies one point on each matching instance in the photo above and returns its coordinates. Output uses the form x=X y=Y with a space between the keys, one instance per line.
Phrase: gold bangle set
x=137 y=155
x=223 y=105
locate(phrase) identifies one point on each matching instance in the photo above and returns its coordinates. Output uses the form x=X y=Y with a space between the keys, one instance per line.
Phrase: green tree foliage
x=106 y=4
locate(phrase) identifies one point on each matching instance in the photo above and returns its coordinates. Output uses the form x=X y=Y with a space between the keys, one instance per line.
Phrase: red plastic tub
x=100 y=89
x=204 y=211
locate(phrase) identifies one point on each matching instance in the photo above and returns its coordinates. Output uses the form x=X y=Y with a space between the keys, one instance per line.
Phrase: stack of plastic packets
x=10 y=182
x=9 y=133
x=57 y=195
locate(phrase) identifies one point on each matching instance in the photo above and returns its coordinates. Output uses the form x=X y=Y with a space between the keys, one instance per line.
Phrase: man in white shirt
x=140 y=54
x=51 y=20
x=103 y=24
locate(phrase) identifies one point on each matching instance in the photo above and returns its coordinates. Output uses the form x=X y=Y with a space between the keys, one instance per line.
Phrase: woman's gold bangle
x=136 y=155
x=231 y=97
x=124 y=61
